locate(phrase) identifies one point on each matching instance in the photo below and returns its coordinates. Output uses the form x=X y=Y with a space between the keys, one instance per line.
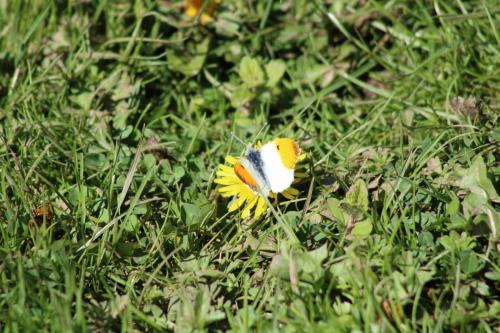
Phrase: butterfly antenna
x=260 y=131
x=238 y=139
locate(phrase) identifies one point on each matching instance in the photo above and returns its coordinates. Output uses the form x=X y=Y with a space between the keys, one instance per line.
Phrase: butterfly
x=43 y=212
x=269 y=168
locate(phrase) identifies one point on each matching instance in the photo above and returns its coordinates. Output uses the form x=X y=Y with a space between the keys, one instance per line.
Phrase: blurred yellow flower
x=192 y=9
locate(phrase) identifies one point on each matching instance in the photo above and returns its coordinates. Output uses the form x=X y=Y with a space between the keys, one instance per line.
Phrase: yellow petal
x=225 y=181
x=231 y=189
x=225 y=168
x=231 y=160
x=247 y=210
x=261 y=207
x=227 y=195
x=249 y=195
x=220 y=174
x=236 y=204
x=292 y=191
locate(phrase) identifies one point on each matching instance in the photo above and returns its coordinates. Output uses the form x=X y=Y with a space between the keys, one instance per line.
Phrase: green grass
x=118 y=113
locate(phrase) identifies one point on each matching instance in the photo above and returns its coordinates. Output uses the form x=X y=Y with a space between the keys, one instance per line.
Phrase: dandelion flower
x=264 y=171
x=192 y=9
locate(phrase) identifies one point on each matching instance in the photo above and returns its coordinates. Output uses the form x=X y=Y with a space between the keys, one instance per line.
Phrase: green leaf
x=469 y=262
x=426 y=239
x=477 y=176
x=126 y=132
x=149 y=161
x=120 y=118
x=482 y=288
x=454 y=205
x=280 y=266
x=423 y=276
x=473 y=203
x=495 y=134
x=447 y=242
x=189 y=66
x=228 y=24
x=140 y=209
x=456 y=242
x=352 y=212
x=319 y=254
x=127 y=249
x=458 y=222
x=241 y=96
x=358 y=195
x=251 y=73
x=495 y=276
x=196 y=213
x=178 y=173
x=274 y=70
x=362 y=229
x=131 y=224
x=84 y=100
x=293 y=218
x=336 y=210
x=77 y=195
x=305 y=264
x=103 y=216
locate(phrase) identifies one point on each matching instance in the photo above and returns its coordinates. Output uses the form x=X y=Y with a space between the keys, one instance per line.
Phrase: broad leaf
x=251 y=73
x=274 y=70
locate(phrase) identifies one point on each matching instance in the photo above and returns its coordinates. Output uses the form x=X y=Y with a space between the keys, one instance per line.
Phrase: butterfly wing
x=277 y=174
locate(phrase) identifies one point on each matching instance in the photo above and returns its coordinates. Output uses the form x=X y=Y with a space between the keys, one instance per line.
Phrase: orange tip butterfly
x=269 y=168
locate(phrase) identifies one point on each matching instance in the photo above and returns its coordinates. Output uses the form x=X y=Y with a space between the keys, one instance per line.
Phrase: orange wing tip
x=289 y=151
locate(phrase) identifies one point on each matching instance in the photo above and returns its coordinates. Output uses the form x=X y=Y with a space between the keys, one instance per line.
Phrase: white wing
x=279 y=177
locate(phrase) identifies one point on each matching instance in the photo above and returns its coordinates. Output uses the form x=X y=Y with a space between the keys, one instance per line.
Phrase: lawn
x=115 y=119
